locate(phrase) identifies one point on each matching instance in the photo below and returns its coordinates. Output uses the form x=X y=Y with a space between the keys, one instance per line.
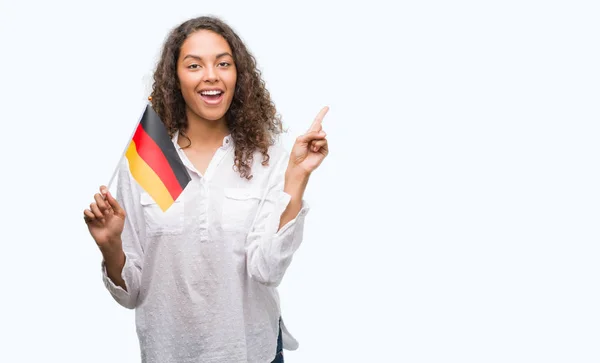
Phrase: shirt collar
x=227 y=141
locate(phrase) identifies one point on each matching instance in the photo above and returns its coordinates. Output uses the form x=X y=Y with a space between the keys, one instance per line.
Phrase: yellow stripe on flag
x=147 y=178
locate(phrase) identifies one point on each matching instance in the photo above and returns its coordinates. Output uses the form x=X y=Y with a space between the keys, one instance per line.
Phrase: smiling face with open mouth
x=207 y=75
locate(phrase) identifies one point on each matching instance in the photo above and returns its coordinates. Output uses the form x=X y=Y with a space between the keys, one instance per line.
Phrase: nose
x=210 y=75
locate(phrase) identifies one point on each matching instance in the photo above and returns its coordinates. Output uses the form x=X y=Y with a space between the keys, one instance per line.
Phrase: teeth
x=210 y=93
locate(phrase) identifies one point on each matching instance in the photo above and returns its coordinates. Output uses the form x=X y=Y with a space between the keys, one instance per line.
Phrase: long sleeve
x=269 y=252
x=128 y=197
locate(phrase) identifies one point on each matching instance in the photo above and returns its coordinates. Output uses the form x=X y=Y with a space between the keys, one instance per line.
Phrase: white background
x=455 y=220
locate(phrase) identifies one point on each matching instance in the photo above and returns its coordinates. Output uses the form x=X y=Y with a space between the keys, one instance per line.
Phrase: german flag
x=154 y=162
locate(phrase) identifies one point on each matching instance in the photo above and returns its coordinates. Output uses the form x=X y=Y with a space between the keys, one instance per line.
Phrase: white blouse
x=203 y=276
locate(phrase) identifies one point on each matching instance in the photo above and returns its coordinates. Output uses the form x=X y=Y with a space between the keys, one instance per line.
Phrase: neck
x=204 y=133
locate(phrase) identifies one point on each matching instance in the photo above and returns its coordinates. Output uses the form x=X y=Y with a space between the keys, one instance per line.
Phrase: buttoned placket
x=203 y=180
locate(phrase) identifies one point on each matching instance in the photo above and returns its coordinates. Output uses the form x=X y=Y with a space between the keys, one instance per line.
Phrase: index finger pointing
x=316 y=125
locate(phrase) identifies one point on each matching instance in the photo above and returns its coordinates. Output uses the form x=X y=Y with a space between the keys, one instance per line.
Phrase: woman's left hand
x=310 y=149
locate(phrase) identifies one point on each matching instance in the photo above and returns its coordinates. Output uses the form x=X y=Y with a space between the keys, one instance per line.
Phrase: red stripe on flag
x=153 y=155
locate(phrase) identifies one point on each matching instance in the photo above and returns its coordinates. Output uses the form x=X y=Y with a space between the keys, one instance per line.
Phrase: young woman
x=203 y=276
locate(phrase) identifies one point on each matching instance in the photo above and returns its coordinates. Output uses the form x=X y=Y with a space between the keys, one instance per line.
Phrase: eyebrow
x=220 y=55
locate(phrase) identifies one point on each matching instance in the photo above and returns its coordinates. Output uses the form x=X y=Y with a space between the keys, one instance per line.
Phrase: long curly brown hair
x=252 y=118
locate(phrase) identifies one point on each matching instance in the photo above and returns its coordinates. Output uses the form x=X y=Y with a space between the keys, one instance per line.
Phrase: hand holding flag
x=105 y=220
x=154 y=163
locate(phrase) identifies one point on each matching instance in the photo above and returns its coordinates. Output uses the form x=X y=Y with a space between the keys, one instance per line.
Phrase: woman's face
x=207 y=75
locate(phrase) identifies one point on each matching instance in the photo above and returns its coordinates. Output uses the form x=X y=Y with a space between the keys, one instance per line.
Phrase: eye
x=224 y=64
x=194 y=66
